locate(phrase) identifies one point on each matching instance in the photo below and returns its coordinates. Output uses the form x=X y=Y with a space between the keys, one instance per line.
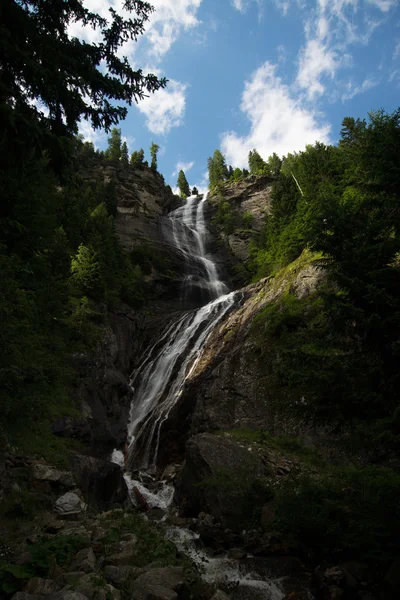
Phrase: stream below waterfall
x=157 y=385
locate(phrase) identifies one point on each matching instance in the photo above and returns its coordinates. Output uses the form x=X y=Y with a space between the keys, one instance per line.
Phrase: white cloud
x=161 y=31
x=182 y=166
x=97 y=137
x=396 y=52
x=316 y=60
x=165 y=108
x=383 y=5
x=279 y=123
x=283 y=6
x=354 y=90
x=240 y=5
x=243 y=5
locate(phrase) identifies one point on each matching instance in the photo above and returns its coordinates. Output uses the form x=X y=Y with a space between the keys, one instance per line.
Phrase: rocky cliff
x=237 y=212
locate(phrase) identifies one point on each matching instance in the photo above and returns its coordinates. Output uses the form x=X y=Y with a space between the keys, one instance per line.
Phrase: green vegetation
x=239 y=489
x=183 y=185
x=337 y=512
x=42 y=555
x=61 y=264
x=154 y=148
x=217 y=169
x=137 y=158
x=69 y=78
x=281 y=443
x=346 y=514
x=337 y=352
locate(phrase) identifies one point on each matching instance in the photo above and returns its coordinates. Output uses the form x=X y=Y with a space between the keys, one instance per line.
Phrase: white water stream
x=158 y=384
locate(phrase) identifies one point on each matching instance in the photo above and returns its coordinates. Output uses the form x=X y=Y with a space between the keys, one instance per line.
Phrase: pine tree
x=137 y=157
x=274 y=164
x=237 y=174
x=183 y=185
x=154 y=148
x=257 y=165
x=124 y=154
x=217 y=169
x=71 y=78
x=195 y=191
x=113 y=151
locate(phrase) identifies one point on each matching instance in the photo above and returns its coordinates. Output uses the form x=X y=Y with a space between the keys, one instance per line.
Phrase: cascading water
x=158 y=383
x=159 y=380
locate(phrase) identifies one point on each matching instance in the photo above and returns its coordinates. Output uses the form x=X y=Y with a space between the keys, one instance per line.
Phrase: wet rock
x=69 y=503
x=290 y=570
x=102 y=481
x=213 y=476
x=237 y=553
x=85 y=561
x=170 y=473
x=44 y=472
x=122 y=553
x=154 y=592
x=41 y=587
x=156 y=514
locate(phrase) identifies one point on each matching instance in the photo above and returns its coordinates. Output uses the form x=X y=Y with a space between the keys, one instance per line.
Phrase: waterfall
x=159 y=380
x=158 y=384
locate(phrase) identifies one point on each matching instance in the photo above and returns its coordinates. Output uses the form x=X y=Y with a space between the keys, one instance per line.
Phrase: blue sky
x=268 y=74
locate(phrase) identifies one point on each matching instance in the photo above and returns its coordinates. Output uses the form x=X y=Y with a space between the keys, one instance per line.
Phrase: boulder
x=70 y=578
x=69 y=503
x=26 y=596
x=171 y=578
x=122 y=552
x=154 y=592
x=94 y=587
x=44 y=472
x=64 y=594
x=393 y=575
x=215 y=477
x=267 y=514
x=41 y=587
x=102 y=481
x=122 y=576
x=220 y=595
x=85 y=561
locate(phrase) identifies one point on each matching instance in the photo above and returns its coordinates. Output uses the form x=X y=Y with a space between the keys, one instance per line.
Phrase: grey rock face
x=69 y=503
x=213 y=477
x=101 y=480
x=43 y=472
